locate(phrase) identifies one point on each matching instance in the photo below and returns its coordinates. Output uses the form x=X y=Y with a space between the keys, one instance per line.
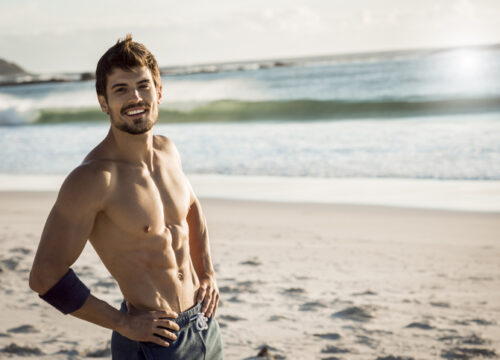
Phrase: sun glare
x=467 y=63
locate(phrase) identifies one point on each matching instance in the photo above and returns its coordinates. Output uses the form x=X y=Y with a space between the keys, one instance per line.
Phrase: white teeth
x=135 y=112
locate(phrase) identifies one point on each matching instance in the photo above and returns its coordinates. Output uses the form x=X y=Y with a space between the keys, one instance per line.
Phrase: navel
x=180 y=276
x=147 y=228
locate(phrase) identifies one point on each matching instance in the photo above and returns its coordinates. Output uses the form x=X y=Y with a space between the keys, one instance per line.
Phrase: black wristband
x=68 y=294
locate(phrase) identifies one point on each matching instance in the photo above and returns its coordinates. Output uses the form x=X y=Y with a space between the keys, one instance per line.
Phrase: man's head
x=125 y=54
x=128 y=86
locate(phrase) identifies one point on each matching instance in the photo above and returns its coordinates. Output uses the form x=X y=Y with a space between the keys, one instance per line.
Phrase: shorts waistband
x=187 y=316
x=183 y=318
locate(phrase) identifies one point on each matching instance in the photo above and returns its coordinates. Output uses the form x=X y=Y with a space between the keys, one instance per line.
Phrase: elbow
x=38 y=280
x=44 y=276
x=35 y=282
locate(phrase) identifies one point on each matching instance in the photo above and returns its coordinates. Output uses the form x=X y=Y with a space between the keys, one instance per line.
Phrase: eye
x=145 y=86
x=119 y=90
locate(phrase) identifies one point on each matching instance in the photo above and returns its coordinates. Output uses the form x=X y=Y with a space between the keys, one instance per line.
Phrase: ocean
x=416 y=115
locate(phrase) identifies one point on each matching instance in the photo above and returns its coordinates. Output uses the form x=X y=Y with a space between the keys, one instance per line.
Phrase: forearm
x=202 y=259
x=69 y=295
x=199 y=242
x=101 y=313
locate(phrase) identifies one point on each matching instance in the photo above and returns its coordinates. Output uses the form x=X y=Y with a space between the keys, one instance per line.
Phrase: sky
x=49 y=36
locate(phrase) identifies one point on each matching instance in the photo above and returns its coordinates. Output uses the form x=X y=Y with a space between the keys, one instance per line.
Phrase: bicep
x=65 y=234
x=66 y=231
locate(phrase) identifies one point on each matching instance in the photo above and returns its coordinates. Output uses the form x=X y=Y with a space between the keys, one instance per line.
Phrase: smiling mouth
x=135 y=111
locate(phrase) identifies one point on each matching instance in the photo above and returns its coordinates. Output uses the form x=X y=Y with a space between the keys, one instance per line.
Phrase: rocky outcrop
x=8 y=68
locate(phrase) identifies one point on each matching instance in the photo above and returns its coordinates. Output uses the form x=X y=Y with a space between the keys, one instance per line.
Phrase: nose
x=134 y=95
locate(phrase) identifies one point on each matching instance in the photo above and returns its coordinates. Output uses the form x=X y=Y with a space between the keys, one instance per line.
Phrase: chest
x=146 y=202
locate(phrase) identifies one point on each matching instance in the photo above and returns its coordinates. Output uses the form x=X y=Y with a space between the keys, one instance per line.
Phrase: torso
x=142 y=235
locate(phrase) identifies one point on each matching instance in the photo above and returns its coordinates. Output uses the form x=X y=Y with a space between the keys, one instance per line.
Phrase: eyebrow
x=143 y=81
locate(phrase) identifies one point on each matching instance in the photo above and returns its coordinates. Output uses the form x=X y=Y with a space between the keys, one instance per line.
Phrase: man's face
x=132 y=100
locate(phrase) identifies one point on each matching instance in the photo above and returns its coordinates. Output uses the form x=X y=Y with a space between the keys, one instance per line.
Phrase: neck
x=135 y=149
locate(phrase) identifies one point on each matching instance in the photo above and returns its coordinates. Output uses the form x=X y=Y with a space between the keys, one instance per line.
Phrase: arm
x=201 y=257
x=69 y=225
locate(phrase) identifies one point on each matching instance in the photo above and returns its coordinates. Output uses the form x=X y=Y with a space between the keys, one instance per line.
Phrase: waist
x=183 y=318
x=157 y=291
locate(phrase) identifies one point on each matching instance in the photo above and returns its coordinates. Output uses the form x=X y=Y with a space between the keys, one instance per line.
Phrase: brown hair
x=125 y=54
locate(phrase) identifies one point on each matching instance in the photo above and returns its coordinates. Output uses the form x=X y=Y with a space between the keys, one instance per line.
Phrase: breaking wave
x=281 y=110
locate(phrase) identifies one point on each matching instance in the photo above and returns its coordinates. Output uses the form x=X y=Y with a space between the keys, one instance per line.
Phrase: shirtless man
x=132 y=201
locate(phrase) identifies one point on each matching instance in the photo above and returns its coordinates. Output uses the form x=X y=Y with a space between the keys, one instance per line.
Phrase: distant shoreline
x=235 y=66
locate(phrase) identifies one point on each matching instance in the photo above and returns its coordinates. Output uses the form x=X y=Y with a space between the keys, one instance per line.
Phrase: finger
x=166 y=314
x=216 y=306
x=167 y=324
x=159 y=341
x=207 y=300
x=201 y=294
x=214 y=301
x=165 y=333
x=213 y=305
x=209 y=306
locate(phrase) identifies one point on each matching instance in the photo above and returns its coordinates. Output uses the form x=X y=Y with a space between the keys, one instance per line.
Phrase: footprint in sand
x=464 y=340
x=20 y=250
x=440 y=304
x=71 y=353
x=231 y=318
x=365 y=293
x=467 y=353
x=24 y=329
x=392 y=357
x=248 y=286
x=355 y=313
x=481 y=322
x=328 y=336
x=251 y=262
x=294 y=291
x=277 y=318
x=332 y=349
x=418 y=325
x=266 y=352
x=15 y=349
x=11 y=264
x=365 y=340
x=312 y=306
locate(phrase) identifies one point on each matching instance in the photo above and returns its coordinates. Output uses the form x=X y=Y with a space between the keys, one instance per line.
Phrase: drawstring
x=200 y=321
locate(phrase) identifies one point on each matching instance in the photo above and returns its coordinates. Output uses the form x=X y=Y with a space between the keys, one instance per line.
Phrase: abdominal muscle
x=153 y=268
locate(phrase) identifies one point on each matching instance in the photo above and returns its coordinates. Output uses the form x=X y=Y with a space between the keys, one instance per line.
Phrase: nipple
x=147 y=228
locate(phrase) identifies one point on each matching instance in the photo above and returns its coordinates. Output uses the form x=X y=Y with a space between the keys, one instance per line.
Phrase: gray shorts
x=196 y=340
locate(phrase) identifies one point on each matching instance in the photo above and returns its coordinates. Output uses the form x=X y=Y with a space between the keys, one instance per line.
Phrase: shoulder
x=88 y=184
x=166 y=146
x=91 y=173
x=163 y=142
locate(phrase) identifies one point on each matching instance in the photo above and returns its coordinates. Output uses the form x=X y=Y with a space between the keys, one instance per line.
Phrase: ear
x=159 y=93
x=103 y=103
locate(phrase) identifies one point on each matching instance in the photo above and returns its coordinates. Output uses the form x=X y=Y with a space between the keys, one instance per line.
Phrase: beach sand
x=307 y=281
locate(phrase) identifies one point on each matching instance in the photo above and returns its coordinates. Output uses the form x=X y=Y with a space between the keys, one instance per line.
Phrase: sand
x=306 y=281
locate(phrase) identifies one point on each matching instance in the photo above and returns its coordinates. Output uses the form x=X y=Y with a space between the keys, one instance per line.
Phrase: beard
x=138 y=126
